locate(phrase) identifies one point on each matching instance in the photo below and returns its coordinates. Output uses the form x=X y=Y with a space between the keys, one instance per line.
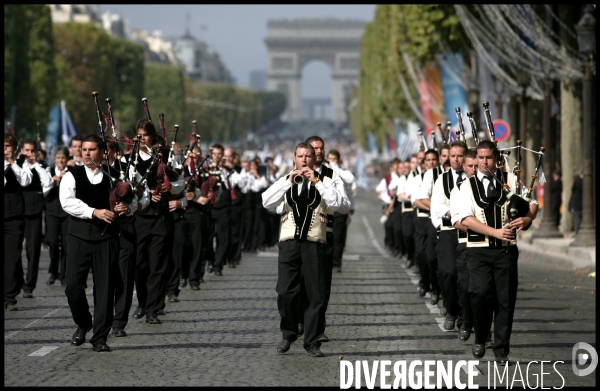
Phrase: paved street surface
x=226 y=334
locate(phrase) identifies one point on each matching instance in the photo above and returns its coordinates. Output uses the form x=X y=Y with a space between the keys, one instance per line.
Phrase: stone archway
x=293 y=43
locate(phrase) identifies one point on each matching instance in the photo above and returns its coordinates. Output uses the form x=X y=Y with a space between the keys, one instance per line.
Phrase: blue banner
x=372 y=143
x=454 y=93
x=68 y=127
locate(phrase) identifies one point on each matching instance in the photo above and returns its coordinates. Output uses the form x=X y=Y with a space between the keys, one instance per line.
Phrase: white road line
x=43 y=351
x=30 y=324
x=372 y=237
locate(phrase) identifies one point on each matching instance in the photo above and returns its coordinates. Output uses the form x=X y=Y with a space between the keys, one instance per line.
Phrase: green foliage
x=164 y=88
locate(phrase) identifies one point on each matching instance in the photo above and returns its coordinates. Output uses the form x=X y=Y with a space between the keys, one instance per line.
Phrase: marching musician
x=15 y=178
x=492 y=253
x=92 y=242
x=425 y=232
x=57 y=220
x=75 y=159
x=154 y=227
x=408 y=218
x=303 y=245
x=448 y=240
x=465 y=321
x=34 y=201
x=395 y=211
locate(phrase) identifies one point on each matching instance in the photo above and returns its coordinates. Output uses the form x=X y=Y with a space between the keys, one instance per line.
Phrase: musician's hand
x=163 y=188
x=520 y=223
x=121 y=208
x=504 y=234
x=203 y=200
x=57 y=177
x=71 y=163
x=104 y=214
x=351 y=212
x=294 y=173
x=174 y=204
x=189 y=195
x=156 y=198
x=309 y=173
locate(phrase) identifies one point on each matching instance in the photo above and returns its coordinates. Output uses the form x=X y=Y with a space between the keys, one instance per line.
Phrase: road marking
x=267 y=254
x=433 y=309
x=30 y=324
x=351 y=257
x=372 y=237
x=43 y=351
x=414 y=280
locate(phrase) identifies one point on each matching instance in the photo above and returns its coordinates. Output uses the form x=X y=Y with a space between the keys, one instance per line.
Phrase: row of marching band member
x=456 y=214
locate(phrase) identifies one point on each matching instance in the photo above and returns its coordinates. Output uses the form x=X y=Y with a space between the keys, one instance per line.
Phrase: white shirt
x=334 y=194
x=414 y=187
x=176 y=186
x=426 y=187
x=382 y=191
x=73 y=205
x=45 y=178
x=23 y=174
x=346 y=175
x=438 y=206
x=258 y=184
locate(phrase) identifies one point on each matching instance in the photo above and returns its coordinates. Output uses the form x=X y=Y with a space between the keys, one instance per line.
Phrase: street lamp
x=586 y=37
x=523 y=79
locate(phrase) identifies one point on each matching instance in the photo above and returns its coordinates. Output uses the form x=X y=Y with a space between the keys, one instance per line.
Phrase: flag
x=454 y=93
x=391 y=144
x=265 y=152
x=278 y=160
x=362 y=180
x=68 y=128
x=372 y=143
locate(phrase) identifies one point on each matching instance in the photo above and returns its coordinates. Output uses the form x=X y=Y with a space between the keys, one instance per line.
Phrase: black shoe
x=300 y=329
x=79 y=335
x=502 y=359
x=10 y=307
x=314 y=351
x=284 y=346
x=173 y=299
x=209 y=269
x=323 y=338
x=435 y=297
x=218 y=273
x=421 y=292
x=337 y=269
x=449 y=322
x=478 y=350
x=119 y=332
x=464 y=333
x=195 y=287
x=27 y=294
x=231 y=265
x=51 y=279
x=152 y=319
x=409 y=264
x=183 y=282
x=101 y=347
x=161 y=312
x=443 y=311
x=139 y=313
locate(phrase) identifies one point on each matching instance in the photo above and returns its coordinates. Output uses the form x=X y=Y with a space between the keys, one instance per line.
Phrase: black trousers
x=260 y=227
x=103 y=257
x=446 y=254
x=13 y=266
x=176 y=257
x=493 y=286
x=431 y=257
x=248 y=234
x=274 y=226
x=235 y=232
x=33 y=248
x=408 y=232
x=388 y=226
x=421 y=254
x=208 y=246
x=57 y=229
x=154 y=244
x=396 y=217
x=196 y=231
x=466 y=317
x=301 y=261
x=125 y=279
x=340 y=231
x=222 y=218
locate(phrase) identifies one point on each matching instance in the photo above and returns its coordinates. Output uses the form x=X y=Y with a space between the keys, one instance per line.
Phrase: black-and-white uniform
x=15 y=178
x=57 y=225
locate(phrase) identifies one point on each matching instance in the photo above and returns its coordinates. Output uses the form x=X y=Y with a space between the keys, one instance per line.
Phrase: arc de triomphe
x=293 y=43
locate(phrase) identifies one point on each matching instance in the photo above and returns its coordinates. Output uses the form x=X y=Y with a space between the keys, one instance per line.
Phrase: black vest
x=193 y=207
x=95 y=196
x=13 y=196
x=492 y=209
x=53 y=207
x=33 y=195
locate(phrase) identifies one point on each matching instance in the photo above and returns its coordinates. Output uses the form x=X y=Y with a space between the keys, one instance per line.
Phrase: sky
x=237 y=32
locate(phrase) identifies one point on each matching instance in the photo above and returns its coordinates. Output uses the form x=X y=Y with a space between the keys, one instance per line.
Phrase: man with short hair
x=492 y=253
x=403 y=193
x=448 y=239
x=92 y=242
x=15 y=178
x=303 y=205
x=33 y=196
x=75 y=150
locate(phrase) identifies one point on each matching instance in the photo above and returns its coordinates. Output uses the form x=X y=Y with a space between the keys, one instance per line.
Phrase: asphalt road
x=226 y=334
